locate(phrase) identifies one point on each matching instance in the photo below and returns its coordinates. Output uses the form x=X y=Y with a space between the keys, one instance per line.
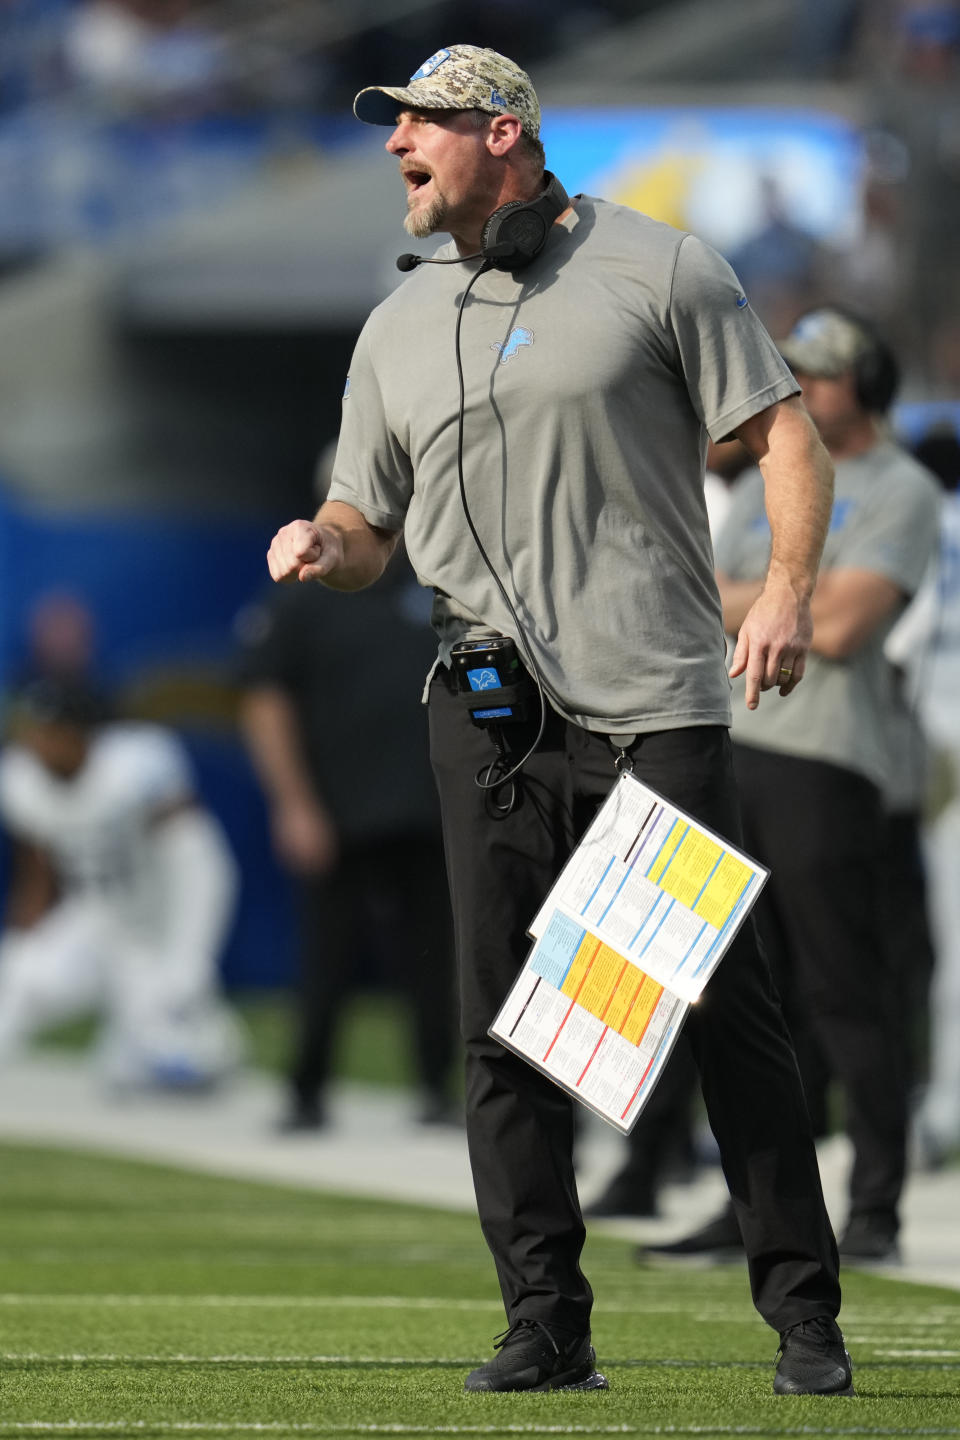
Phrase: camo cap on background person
x=462 y=77
x=825 y=343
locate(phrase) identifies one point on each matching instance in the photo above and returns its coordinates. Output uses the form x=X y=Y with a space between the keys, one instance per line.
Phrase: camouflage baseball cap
x=462 y=77
x=825 y=343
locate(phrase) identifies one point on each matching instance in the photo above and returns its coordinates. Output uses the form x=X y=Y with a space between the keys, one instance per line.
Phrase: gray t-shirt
x=591 y=380
x=885 y=519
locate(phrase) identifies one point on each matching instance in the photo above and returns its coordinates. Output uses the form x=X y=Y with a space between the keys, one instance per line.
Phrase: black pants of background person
x=519 y=1125
x=909 y=960
x=907 y=937
x=390 y=897
x=661 y=1144
x=821 y=829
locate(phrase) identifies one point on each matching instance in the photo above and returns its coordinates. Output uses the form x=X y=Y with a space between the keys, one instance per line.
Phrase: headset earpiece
x=876 y=375
x=517 y=232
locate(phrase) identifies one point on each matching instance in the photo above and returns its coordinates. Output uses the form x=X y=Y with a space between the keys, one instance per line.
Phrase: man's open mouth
x=416 y=179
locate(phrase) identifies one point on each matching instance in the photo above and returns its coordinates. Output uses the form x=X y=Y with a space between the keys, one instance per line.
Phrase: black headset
x=513 y=235
x=876 y=371
x=517 y=232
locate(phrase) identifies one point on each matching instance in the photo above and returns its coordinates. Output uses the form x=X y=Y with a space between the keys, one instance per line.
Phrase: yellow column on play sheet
x=722 y=894
x=700 y=874
x=668 y=852
x=612 y=988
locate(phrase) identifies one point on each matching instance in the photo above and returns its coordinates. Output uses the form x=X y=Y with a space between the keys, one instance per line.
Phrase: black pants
x=389 y=895
x=822 y=831
x=664 y=1131
x=907 y=938
x=519 y=1124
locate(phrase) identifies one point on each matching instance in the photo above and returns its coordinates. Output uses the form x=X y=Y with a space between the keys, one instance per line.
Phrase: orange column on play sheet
x=612 y=989
x=645 y=1000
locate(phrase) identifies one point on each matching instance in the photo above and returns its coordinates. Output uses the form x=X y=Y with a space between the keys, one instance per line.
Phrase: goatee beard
x=426 y=220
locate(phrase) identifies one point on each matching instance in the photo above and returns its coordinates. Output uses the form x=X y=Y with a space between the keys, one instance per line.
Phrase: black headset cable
x=487 y=779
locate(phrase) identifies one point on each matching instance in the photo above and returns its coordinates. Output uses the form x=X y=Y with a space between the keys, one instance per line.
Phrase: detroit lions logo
x=841 y=512
x=518 y=337
x=428 y=66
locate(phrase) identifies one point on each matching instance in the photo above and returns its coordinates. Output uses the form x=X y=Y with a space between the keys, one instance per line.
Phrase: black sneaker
x=532 y=1356
x=719 y=1239
x=813 y=1360
x=869 y=1238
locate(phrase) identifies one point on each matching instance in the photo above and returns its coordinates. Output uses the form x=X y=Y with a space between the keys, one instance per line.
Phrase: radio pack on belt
x=491 y=681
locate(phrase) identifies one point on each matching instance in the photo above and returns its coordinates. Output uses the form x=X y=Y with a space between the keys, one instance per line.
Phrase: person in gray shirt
x=813 y=774
x=533 y=414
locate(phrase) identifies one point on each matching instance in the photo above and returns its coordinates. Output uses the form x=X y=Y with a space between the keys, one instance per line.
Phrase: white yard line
x=281 y=1427
x=256 y=1302
x=707 y=1314
x=30 y=1357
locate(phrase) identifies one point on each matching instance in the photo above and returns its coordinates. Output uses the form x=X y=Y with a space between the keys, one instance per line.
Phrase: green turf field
x=141 y=1301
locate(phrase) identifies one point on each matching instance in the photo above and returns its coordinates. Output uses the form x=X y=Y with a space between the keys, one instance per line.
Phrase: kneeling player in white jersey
x=122 y=892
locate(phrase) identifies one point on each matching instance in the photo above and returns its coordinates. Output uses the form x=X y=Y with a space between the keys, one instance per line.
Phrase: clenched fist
x=304 y=550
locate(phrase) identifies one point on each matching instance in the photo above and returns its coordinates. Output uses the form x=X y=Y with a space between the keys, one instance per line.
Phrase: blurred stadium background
x=193 y=228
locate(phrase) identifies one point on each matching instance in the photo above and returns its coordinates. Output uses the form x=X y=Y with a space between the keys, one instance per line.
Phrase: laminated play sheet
x=628 y=936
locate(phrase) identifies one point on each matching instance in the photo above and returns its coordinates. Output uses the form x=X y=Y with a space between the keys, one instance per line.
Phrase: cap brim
x=378 y=104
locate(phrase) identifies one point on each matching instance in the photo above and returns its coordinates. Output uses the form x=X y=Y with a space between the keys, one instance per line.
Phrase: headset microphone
x=513 y=235
x=410 y=261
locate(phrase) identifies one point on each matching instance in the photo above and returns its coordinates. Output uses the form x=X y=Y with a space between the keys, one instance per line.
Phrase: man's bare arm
x=849 y=605
x=339 y=547
x=304 y=833
x=775 y=634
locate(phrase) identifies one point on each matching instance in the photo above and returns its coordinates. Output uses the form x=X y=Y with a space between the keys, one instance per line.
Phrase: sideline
x=374 y=1147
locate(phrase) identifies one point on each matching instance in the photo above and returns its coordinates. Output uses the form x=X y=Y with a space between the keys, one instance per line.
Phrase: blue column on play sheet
x=556 y=949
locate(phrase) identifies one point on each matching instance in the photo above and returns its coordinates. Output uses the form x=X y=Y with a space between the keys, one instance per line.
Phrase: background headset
x=876 y=371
